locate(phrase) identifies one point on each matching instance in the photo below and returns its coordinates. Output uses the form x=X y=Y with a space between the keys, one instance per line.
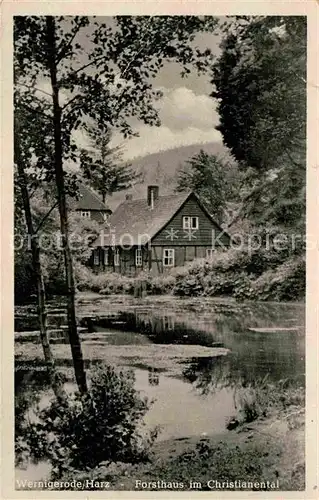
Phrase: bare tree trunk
x=35 y=250
x=59 y=178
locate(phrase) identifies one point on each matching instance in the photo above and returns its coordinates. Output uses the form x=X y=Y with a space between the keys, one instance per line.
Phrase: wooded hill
x=162 y=168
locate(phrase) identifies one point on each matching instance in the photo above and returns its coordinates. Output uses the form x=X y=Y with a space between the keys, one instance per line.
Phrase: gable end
x=173 y=234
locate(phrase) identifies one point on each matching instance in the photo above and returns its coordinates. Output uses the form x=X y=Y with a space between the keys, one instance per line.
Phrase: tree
x=110 y=82
x=27 y=147
x=36 y=262
x=214 y=180
x=102 y=166
x=83 y=232
x=260 y=84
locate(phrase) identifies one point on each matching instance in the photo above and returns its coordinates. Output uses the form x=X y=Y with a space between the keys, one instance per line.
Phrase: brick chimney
x=152 y=195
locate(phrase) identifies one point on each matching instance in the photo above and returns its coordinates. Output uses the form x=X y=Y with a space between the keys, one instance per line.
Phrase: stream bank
x=185 y=354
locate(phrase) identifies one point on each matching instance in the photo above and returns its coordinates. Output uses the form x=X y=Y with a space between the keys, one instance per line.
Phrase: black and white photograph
x=159 y=189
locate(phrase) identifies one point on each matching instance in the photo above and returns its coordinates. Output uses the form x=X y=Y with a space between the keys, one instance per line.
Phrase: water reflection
x=280 y=354
x=253 y=355
x=208 y=374
x=277 y=353
x=160 y=329
x=153 y=376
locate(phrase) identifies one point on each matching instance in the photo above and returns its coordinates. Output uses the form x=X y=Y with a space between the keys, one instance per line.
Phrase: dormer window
x=86 y=214
x=190 y=222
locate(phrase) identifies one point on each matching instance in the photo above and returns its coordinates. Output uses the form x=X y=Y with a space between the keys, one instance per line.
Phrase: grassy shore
x=265 y=450
x=266 y=443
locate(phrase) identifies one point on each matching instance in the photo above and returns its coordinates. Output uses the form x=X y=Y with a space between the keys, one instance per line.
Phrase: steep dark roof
x=136 y=218
x=88 y=200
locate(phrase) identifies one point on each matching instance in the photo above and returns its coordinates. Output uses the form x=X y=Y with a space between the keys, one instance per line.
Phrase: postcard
x=160 y=249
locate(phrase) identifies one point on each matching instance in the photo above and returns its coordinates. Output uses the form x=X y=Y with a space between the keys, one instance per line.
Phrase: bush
x=226 y=283
x=263 y=398
x=237 y=273
x=24 y=282
x=115 y=284
x=190 y=286
x=286 y=282
x=189 y=280
x=243 y=275
x=162 y=284
x=222 y=275
x=83 y=276
x=24 y=278
x=103 y=426
x=105 y=283
x=54 y=276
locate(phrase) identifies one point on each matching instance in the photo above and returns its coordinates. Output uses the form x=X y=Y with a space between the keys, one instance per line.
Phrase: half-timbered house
x=156 y=234
x=89 y=206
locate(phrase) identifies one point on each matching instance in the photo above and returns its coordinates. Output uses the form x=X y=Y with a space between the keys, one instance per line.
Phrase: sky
x=187 y=112
x=188 y=115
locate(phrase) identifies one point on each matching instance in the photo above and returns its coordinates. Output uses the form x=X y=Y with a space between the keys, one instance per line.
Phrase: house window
x=86 y=214
x=138 y=257
x=117 y=257
x=106 y=256
x=190 y=222
x=209 y=253
x=168 y=257
x=96 y=258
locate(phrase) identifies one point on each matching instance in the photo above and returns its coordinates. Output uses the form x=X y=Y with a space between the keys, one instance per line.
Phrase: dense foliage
x=108 y=283
x=260 y=85
x=259 y=450
x=263 y=398
x=105 y=425
x=215 y=180
x=243 y=274
x=260 y=82
x=82 y=233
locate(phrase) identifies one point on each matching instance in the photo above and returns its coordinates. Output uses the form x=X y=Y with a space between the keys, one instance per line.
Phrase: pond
x=187 y=355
